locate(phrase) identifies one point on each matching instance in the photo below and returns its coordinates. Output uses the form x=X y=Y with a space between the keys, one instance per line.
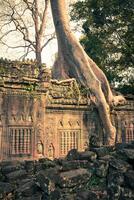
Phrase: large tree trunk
x=38 y=52
x=73 y=62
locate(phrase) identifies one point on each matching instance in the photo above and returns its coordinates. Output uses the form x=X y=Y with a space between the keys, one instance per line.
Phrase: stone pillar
x=12 y=141
x=0 y=143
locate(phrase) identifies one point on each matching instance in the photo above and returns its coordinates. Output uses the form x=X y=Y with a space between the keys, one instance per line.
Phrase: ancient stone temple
x=40 y=117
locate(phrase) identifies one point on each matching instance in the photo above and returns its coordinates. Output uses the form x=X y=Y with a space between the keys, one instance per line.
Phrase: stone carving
x=78 y=123
x=60 y=113
x=18 y=68
x=39 y=132
x=65 y=92
x=51 y=151
x=40 y=148
x=70 y=123
x=23 y=75
x=61 y=123
x=13 y=118
x=49 y=134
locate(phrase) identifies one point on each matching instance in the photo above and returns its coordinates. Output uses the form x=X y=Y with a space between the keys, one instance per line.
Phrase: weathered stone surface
x=46 y=163
x=115 y=182
x=129 y=153
x=87 y=155
x=10 y=168
x=28 y=189
x=25 y=180
x=33 y=197
x=72 y=155
x=55 y=195
x=129 y=178
x=9 y=163
x=52 y=174
x=30 y=166
x=120 y=146
x=105 y=178
x=91 y=195
x=115 y=178
x=101 y=168
x=69 y=165
x=18 y=174
x=46 y=183
x=114 y=192
x=65 y=165
x=74 y=177
x=120 y=165
x=2 y=177
x=5 y=188
x=102 y=151
x=127 y=194
x=85 y=195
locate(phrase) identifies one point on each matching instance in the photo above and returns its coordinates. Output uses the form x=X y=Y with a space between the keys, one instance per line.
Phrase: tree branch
x=24 y=55
x=43 y=24
x=5 y=34
x=16 y=47
x=51 y=38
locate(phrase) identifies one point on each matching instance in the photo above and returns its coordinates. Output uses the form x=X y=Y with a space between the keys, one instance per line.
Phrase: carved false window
x=68 y=141
x=20 y=141
x=129 y=132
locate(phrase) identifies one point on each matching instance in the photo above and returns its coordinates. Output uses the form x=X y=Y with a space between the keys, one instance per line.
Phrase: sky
x=48 y=54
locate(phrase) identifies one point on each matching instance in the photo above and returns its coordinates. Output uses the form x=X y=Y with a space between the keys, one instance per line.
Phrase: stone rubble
x=102 y=173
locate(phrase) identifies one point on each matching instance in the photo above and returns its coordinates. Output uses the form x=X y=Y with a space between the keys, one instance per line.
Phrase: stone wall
x=40 y=117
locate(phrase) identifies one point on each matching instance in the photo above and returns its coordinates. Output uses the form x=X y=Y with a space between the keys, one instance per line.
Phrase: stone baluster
x=65 y=142
x=26 y=135
x=29 y=139
x=13 y=141
x=21 y=141
x=17 y=141
x=24 y=141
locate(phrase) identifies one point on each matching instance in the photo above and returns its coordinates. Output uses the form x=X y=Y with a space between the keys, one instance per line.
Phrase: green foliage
x=3 y=70
x=31 y=87
x=96 y=182
x=107 y=27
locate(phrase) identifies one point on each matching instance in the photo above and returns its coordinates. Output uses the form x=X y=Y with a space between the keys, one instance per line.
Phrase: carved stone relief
x=51 y=151
x=40 y=148
x=39 y=132
x=69 y=124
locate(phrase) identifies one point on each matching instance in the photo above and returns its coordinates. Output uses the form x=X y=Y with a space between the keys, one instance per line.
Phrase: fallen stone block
x=74 y=177
x=120 y=165
x=73 y=154
x=129 y=179
x=101 y=168
x=5 y=188
x=28 y=189
x=18 y=174
x=87 y=155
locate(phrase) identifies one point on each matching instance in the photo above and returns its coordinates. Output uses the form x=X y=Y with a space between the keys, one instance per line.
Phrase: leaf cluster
x=107 y=28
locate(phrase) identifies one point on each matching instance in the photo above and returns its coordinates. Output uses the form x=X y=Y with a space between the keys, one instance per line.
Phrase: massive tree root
x=73 y=62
